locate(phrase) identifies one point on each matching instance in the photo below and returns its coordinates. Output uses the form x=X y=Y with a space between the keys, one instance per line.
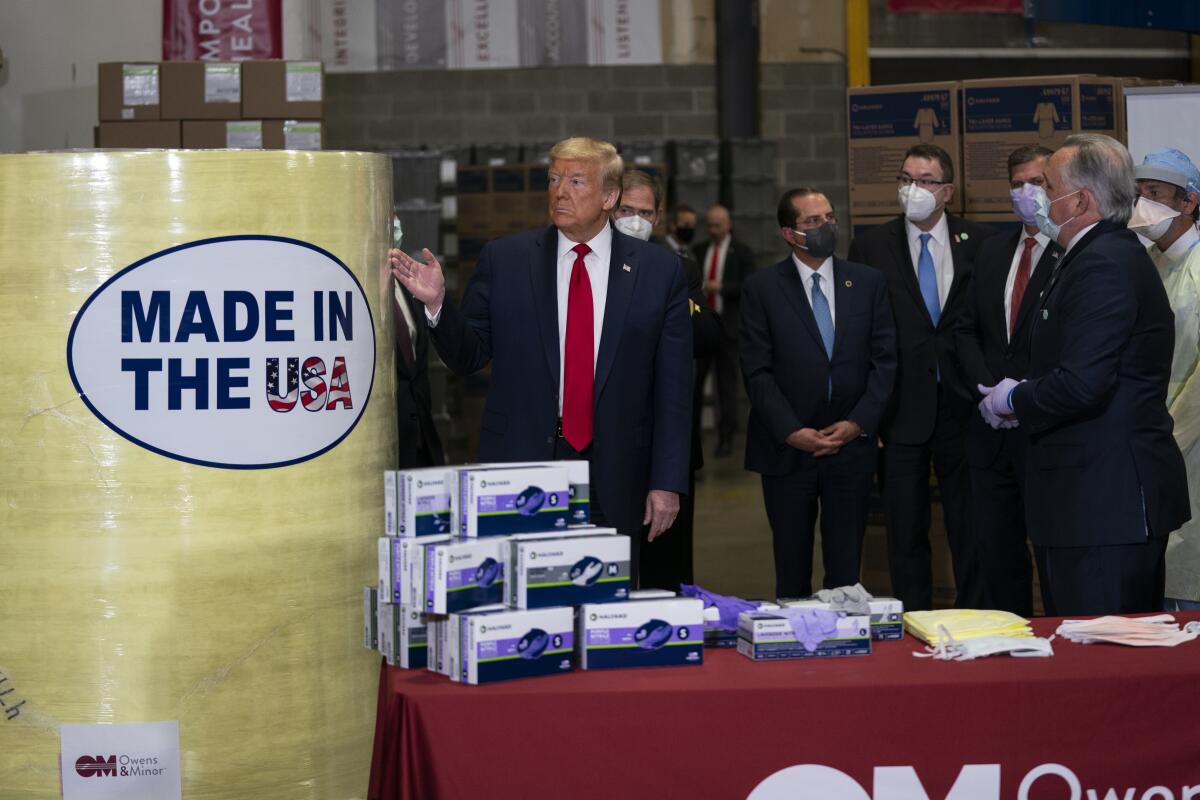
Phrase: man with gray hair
x=1105 y=480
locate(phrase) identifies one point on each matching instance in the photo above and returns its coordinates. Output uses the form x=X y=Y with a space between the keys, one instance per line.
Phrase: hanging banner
x=481 y=34
x=346 y=33
x=624 y=32
x=222 y=30
x=410 y=35
x=553 y=33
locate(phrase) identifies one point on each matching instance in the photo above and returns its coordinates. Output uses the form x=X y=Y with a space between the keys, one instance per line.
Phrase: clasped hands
x=996 y=406
x=827 y=441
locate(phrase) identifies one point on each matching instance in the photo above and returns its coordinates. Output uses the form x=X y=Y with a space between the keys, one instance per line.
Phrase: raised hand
x=425 y=281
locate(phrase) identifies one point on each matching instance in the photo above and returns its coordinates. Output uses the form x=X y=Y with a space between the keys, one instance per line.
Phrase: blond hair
x=581 y=148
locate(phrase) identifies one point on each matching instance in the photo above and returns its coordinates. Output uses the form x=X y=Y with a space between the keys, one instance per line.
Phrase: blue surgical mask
x=1042 y=213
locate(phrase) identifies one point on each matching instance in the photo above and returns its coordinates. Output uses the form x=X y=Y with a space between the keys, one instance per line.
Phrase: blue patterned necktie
x=927 y=278
x=820 y=306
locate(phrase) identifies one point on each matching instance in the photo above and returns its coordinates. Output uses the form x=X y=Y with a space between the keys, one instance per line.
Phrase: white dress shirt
x=939 y=249
x=1039 y=248
x=826 y=273
x=722 y=251
x=597 y=263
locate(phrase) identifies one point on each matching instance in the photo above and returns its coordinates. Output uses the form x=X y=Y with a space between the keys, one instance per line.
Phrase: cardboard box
x=416 y=502
x=201 y=90
x=129 y=91
x=464 y=574
x=1000 y=115
x=371 y=617
x=451 y=635
x=764 y=636
x=641 y=633
x=502 y=500
x=516 y=644
x=887 y=615
x=251 y=134
x=882 y=123
x=283 y=90
x=582 y=569
x=139 y=135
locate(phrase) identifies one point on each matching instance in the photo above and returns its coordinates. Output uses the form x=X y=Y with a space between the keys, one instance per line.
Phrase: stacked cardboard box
x=1000 y=115
x=202 y=104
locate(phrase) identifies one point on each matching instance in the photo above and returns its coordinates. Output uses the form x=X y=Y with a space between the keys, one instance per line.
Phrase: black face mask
x=822 y=241
x=685 y=234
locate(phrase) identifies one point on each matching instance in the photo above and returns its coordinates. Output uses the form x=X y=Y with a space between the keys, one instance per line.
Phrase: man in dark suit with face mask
x=818 y=352
x=927 y=256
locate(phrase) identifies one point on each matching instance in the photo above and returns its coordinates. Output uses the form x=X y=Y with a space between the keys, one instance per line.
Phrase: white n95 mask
x=918 y=204
x=635 y=225
x=1151 y=219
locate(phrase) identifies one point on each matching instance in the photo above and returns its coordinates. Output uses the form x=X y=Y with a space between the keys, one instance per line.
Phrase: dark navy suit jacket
x=787 y=371
x=985 y=350
x=1102 y=465
x=643 y=397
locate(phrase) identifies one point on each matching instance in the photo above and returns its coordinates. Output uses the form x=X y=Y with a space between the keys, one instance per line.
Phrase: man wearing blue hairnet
x=1167 y=208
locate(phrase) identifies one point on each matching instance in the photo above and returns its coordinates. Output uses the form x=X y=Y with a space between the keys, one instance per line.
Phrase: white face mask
x=1151 y=219
x=918 y=204
x=635 y=225
x=951 y=649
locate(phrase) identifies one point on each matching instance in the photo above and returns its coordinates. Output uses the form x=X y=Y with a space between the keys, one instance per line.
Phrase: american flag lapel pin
x=627 y=268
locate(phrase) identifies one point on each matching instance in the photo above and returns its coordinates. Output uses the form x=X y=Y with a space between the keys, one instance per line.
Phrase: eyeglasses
x=924 y=183
x=628 y=211
x=815 y=221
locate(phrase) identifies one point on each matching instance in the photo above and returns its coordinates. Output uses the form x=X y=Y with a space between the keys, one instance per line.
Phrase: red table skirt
x=1092 y=717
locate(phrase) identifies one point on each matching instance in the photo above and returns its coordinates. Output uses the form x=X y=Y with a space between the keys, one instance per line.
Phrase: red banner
x=958 y=6
x=222 y=30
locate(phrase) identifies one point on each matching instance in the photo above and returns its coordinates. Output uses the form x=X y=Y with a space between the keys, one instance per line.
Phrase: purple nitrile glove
x=729 y=607
x=811 y=626
x=996 y=406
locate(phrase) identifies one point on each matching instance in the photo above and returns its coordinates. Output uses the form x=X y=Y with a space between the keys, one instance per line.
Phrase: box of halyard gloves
x=402 y=636
x=887 y=613
x=452 y=638
x=569 y=571
x=516 y=644
x=496 y=501
x=416 y=502
x=463 y=574
x=578 y=472
x=802 y=633
x=641 y=633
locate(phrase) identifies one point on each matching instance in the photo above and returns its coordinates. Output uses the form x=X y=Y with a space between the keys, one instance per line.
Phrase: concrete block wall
x=803 y=110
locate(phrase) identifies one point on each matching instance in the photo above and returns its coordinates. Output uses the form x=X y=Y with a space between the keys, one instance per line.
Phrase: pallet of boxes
x=244 y=105
x=492 y=571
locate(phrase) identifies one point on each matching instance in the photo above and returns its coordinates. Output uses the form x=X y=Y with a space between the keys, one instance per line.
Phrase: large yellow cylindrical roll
x=199 y=356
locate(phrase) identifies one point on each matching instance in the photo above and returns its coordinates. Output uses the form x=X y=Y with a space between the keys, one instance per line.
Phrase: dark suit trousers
x=838 y=487
x=997 y=501
x=564 y=452
x=1109 y=579
x=725 y=362
x=667 y=561
x=904 y=476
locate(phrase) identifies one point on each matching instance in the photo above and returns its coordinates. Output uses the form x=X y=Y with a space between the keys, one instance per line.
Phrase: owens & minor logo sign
x=95 y=766
x=243 y=352
x=974 y=782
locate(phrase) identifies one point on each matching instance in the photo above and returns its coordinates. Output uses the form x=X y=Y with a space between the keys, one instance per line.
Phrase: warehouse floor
x=733 y=538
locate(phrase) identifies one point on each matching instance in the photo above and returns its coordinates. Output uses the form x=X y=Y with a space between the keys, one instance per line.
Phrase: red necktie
x=712 y=276
x=579 y=356
x=1020 y=282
